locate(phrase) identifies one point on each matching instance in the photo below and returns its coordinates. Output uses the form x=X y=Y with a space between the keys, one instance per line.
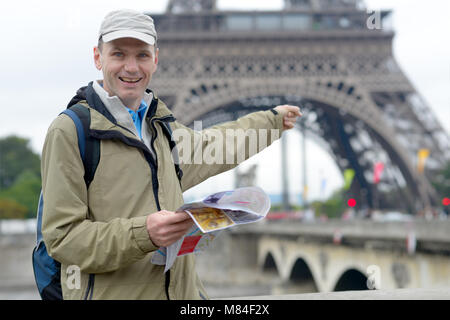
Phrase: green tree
x=332 y=207
x=10 y=209
x=442 y=181
x=25 y=191
x=16 y=156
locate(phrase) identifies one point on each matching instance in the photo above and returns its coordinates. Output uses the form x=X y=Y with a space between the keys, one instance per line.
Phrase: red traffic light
x=446 y=201
x=352 y=202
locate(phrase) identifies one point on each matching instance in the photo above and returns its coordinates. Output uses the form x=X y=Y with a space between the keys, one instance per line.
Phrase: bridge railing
x=428 y=236
x=17 y=226
x=398 y=294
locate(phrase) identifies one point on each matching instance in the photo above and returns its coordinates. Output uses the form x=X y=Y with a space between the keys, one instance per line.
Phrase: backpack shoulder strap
x=47 y=271
x=89 y=146
x=76 y=114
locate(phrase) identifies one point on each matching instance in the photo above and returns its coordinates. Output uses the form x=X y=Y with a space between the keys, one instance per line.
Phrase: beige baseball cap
x=128 y=24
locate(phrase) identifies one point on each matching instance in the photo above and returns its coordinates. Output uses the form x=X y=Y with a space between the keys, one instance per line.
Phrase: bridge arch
x=269 y=264
x=352 y=279
x=271 y=261
x=346 y=100
x=298 y=270
x=302 y=277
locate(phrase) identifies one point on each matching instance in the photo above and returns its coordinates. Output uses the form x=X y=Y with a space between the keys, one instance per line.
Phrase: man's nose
x=131 y=65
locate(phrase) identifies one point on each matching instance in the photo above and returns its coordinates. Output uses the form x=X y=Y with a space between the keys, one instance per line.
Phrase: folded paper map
x=216 y=212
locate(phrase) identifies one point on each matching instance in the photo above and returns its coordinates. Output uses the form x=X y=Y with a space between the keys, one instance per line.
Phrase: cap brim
x=129 y=34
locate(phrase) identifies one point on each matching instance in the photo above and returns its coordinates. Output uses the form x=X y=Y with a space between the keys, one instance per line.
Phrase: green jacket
x=102 y=229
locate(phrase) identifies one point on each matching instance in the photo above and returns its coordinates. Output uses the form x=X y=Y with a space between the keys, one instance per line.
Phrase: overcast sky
x=47 y=54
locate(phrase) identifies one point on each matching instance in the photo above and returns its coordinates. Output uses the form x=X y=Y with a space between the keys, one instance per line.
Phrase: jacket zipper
x=100 y=134
x=90 y=288
x=155 y=135
x=111 y=134
x=155 y=132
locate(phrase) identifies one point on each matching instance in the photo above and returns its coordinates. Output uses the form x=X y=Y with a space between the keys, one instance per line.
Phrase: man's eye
x=143 y=55
x=117 y=54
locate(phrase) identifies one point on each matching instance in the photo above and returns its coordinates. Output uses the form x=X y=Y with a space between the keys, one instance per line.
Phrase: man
x=110 y=229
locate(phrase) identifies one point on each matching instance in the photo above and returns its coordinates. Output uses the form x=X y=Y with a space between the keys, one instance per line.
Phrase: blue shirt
x=138 y=115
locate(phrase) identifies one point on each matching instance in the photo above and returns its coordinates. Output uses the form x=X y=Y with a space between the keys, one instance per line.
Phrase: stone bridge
x=292 y=257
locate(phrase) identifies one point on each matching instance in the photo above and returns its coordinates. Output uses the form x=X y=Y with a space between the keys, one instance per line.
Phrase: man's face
x=127 y=65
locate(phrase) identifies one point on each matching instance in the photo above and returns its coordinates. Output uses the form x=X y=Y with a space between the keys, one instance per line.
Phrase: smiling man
x=128 y=65
x=108 y=214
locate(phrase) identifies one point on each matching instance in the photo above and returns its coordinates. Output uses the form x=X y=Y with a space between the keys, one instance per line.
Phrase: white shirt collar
x=114 y=100
x=116 y=107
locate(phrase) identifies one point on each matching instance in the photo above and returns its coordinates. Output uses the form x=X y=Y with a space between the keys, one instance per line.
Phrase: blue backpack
x=47 y=271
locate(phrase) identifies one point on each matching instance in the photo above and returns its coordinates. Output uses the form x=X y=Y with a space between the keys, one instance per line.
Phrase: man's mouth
x=130 y=80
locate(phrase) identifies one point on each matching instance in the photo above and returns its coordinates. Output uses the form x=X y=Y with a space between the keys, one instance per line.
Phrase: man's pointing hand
x=290 y=115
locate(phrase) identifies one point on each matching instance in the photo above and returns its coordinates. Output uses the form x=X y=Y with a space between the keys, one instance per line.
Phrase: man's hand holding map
x=215 y=213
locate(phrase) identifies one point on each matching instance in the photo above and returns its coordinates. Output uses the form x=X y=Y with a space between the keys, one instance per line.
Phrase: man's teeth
x=129 y=79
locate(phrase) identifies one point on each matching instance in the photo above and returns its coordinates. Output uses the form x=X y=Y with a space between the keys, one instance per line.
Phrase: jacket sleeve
x=206 y=153
x=69 y=235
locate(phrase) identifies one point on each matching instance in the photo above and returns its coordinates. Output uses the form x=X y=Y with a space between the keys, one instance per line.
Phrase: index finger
x=177 y=217
x=294 y=109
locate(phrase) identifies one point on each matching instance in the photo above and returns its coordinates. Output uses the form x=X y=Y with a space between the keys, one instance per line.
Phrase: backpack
x=47 y=271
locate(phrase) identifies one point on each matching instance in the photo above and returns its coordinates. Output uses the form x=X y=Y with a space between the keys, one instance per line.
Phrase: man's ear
x=97 y=58
x=156 y=59
x=156 y=55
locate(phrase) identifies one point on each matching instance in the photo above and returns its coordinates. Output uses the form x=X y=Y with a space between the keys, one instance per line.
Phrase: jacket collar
x=114 y=102
x=116 y=107
x=103 y=119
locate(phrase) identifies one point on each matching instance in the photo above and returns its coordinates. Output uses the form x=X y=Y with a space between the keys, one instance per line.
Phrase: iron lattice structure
x=216 y=66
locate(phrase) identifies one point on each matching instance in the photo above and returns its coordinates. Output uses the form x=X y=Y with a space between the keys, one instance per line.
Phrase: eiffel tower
x=331 y=57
